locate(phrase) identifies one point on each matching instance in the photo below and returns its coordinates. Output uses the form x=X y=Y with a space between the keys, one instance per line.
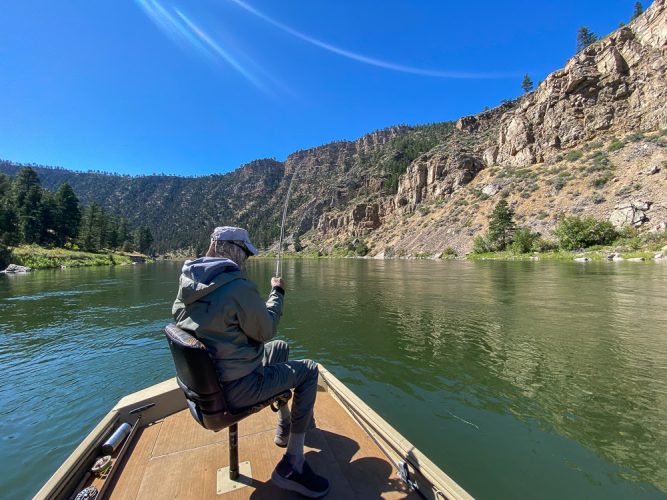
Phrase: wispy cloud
x=183 y=31
x=371 y=60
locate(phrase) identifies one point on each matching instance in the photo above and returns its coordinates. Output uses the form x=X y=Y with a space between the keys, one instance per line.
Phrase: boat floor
x=176 y=458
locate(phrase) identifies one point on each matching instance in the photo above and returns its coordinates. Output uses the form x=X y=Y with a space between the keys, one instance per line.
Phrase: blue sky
x=203 y=86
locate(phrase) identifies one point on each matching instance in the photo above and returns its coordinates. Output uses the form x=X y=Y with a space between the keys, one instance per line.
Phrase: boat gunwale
x=393 y=444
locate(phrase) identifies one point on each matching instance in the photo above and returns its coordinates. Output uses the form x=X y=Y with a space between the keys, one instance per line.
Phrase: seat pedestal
x=225 y=484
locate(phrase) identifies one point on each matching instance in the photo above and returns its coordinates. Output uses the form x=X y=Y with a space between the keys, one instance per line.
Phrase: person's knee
x=281 y=351
x=311 y=366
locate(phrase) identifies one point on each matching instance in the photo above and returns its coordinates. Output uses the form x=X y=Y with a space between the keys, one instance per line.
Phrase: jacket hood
x=202 y=276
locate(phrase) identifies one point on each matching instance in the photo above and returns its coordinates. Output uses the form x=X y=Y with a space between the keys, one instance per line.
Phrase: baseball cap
x=227 y=233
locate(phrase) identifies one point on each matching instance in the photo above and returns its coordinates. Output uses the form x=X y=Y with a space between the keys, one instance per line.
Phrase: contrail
x=218 y=50
x=370 y=60
x=184 y=31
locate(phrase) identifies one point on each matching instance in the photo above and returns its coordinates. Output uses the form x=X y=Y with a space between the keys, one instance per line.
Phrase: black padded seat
x=196 y=376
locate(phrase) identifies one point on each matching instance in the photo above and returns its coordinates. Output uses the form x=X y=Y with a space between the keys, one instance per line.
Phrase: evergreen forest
x=31 y=214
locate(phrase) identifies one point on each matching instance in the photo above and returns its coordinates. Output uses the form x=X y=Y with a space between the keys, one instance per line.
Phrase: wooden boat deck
x=176 y=458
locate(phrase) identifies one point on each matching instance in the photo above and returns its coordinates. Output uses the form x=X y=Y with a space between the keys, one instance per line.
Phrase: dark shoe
x=282 y=432
x=307 y=482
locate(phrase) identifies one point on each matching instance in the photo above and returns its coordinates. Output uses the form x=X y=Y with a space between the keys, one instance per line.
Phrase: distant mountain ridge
x=581 y=143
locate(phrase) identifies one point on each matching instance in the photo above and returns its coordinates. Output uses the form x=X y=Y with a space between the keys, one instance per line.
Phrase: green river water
x=519 y=379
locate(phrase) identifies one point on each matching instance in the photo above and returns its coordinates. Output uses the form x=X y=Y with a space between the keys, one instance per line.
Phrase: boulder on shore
x=16 y=269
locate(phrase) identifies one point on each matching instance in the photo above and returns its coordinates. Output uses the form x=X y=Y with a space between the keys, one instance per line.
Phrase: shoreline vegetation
x=629 y=250
x=41 y=229
x=37 y=257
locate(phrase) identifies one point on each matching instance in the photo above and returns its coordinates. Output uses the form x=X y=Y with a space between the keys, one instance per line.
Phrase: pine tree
x=25 y=180
x=526 y=84
x=297 y=243
x=9 y=221
x=112 y=233
x=639 y=10
x=30 y=214
x=47 y=217
x=89 y=234
x=123 y=233
x=144 y=239
x=103 y=229
x=9 y=225
x=501 y=225
x=585 y=37
x=68 y=214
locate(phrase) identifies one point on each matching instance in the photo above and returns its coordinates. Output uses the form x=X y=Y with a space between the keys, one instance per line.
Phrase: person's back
x=224 y=310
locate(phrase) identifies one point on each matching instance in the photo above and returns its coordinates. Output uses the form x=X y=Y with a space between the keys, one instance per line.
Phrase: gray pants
x=275 y=375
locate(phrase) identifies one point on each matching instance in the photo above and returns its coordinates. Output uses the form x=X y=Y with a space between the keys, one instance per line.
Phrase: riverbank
x=648 y=246
x=36 y=257
x=583 y=256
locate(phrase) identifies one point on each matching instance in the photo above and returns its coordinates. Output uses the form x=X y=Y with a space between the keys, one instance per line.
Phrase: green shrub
x=523 y=240
x=592 y=146
x=574 y=155
x=423 y=255
x=5 y=256
x=541 y=215
x=635 y=137
x=601 y=181
x=558 y=183
x=481 y=245
x=448 y=252
x=582 y=232
x=597 y=198
x=615 y=145
x=360 y=248
x=599 y=162
x=542 y=245
x=623 y=191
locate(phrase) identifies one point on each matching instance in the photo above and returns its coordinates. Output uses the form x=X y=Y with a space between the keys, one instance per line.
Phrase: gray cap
x=227 y=233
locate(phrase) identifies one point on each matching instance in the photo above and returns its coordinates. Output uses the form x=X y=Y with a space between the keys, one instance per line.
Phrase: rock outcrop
x=359 y=221
x=434 y=175
x=615 y=84
x=630 y=214
x=16 y=269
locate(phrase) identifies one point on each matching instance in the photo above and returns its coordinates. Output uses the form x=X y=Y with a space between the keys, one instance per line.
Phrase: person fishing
x=225 y=311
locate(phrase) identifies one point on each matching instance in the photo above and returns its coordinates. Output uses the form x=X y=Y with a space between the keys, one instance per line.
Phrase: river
x=519 y=379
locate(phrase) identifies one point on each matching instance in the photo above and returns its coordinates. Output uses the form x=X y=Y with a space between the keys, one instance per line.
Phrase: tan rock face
x=359 y=221
x=429 y=177
x=630 y=214
x=618 y=83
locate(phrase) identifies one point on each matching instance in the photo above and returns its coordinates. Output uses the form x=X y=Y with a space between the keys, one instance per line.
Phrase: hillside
x=589 y=140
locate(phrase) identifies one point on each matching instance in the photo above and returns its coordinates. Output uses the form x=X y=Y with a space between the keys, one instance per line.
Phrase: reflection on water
x=515 y=378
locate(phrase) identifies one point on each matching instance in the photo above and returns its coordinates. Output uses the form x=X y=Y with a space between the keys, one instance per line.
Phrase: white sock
x=284 y=414
x=295 y=450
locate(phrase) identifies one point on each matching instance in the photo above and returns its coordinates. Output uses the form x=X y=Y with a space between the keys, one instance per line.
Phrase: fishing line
x=279 y=260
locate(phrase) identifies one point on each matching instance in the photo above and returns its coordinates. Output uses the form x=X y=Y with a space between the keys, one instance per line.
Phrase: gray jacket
x=227 y=314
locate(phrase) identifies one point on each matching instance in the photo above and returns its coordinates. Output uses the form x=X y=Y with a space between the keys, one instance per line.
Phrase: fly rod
x=279 y=260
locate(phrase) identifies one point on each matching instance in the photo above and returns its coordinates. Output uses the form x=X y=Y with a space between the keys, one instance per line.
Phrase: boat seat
x=197 y=377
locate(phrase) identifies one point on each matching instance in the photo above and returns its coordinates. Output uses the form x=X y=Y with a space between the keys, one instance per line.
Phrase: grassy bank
x=561 y=255
x=646 y=247
x=38 y=257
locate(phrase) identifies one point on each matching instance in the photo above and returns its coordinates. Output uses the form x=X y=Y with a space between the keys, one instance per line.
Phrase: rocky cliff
x=616 y=84
x=615 y=87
